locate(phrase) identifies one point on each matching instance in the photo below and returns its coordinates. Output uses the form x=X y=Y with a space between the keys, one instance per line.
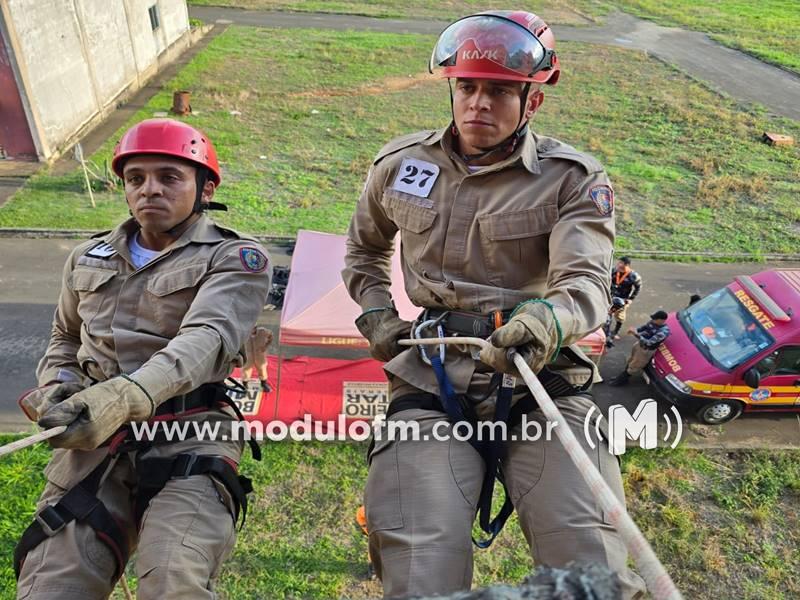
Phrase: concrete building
x=65 y=64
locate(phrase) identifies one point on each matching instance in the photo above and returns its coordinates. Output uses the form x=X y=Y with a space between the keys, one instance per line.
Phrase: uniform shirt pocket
x=171 y=293
x=514 y=244
x=90 y=284
x=414 y=222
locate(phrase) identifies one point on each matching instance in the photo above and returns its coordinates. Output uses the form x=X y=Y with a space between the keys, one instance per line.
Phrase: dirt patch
x=387 y=84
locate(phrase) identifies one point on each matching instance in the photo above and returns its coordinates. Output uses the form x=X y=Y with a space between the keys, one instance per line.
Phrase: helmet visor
x=488 y=45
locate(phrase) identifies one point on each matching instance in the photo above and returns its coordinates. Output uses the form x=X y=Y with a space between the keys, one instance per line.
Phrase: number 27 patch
x=416 y=177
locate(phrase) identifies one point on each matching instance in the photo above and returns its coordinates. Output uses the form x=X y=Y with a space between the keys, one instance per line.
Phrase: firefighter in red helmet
x=507 y=235
x=151 y=319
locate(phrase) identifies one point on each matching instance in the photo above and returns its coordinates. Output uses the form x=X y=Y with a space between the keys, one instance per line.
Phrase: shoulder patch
x=102 y=250
x=404 y=141
x=253 y=259
x=603 y=197
x=548 y=147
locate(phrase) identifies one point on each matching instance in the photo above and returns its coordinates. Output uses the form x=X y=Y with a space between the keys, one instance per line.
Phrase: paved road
x=30 y=275
x=737 y=74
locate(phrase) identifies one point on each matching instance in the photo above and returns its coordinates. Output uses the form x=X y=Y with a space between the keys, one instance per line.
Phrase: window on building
x=153 y=12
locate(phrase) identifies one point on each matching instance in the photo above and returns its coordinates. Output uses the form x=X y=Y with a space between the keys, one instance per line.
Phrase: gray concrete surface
x=30 y=279
x=734 y=73
x=76 y=58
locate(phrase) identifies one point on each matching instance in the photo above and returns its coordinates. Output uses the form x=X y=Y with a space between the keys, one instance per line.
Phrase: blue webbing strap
x=491 y=451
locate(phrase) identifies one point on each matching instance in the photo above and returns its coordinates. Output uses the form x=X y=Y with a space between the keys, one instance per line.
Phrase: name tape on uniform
x=416 y=177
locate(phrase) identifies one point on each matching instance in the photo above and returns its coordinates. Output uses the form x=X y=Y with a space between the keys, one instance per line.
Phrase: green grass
x=725 y=524
x=557 y=11
x=21 y=482
x=769 y=30
x=688 y=166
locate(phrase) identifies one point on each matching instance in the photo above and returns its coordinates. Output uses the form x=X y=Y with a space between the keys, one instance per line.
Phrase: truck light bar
x=763 y=299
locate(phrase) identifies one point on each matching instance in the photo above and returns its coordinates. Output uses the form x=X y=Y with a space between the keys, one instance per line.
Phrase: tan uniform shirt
x=538 y=224
x=174 y=324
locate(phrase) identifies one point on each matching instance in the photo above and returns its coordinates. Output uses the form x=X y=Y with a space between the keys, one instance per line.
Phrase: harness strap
x=82 y=505
x=466 y=323
x=156 y=472
x=494 y=452
x=491 y=451
x=205 y=397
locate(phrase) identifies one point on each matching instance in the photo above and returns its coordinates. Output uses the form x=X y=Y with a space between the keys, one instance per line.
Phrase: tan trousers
x=639 y=359
x=421 y=498
x=185 y=535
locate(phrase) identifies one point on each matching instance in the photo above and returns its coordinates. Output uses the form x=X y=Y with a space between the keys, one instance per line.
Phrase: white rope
x=655 y=575
x=31 y=440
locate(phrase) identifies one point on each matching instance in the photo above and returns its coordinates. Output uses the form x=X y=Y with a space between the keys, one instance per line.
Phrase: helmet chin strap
x=505 y=146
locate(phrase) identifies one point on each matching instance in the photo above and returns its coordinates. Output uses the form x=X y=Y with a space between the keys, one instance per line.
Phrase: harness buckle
x=182 y=467
x=50 y=521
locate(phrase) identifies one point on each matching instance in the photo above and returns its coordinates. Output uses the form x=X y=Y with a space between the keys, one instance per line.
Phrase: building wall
x=77 y=58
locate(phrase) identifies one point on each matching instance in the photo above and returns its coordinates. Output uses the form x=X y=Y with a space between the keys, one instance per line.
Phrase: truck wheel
x=720 y=411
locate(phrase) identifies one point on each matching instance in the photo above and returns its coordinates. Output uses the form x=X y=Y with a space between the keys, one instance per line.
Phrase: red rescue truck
x=735 y=351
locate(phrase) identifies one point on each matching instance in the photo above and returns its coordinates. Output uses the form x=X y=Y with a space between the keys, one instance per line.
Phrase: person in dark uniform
x=650 y=336
x=626 y=284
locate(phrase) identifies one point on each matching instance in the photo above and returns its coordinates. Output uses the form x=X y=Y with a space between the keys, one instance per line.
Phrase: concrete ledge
x=32 y=233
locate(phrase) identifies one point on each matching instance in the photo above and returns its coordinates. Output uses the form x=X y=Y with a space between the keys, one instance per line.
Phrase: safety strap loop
x=82 y=505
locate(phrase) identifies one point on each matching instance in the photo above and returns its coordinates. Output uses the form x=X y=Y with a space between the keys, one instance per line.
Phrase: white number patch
x=416 y=177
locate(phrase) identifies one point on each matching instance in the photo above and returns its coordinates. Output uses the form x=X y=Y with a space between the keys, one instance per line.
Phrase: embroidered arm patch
x=253 y=260
x=603 y=198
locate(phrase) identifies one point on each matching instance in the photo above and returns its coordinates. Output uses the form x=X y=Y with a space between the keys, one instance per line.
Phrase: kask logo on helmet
x=480 y=55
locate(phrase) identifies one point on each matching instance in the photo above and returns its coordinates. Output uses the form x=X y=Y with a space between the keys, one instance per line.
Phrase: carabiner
x=416 y=334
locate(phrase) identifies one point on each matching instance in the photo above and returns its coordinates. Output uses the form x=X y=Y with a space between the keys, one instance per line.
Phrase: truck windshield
x=724 y=330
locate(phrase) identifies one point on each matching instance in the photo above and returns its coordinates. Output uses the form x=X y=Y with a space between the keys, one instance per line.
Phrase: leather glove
x=96 y=413
x=533 y=331
x=34 y=403
x=383 y=328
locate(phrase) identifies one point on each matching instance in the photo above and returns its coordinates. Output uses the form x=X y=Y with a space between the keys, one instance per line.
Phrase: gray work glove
x=383 y=328
x=533 y=331
x=96 y=413
x=39 y=400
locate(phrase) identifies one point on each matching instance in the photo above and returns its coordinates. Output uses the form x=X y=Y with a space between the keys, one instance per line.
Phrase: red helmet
x=171 y=138
x=511 y=45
